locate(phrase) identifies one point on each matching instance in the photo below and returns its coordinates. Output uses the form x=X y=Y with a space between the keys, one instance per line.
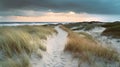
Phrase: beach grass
x=20 y=40
x=83 y=45
x=18 y=61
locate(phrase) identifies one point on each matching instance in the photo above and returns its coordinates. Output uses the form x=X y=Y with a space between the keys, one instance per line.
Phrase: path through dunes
x=55 y=56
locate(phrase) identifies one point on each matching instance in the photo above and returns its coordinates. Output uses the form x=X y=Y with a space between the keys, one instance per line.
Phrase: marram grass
x=83 y=45
x=22 y=40
x=18 y=61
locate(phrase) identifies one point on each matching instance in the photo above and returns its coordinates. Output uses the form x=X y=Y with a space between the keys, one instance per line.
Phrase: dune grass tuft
x=18 y=61
x=82 y=46
x=20 y=40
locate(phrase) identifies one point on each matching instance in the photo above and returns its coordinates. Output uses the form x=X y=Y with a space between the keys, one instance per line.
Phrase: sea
x=28 y=23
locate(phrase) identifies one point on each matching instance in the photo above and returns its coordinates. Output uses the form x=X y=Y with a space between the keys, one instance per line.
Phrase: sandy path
x=55 y=57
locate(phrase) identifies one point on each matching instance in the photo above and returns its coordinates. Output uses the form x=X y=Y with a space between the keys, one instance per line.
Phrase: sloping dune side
x=18 y=43
x=84 y=46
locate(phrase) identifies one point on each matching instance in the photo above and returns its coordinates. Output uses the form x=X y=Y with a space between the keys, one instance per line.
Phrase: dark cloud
x=89 y=6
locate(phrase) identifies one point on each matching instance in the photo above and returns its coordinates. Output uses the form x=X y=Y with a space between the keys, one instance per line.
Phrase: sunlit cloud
x=57 y=17
x=50 y=16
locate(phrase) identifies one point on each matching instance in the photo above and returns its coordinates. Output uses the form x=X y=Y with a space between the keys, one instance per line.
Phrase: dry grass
x=18 y=61
x=83 y=46
x=20 y=40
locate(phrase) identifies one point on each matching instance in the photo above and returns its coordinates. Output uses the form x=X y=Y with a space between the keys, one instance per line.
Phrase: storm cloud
x=59 y=10
x=89 y=6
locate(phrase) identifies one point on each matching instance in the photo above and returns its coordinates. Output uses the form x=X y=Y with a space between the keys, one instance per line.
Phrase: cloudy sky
x=59 y=10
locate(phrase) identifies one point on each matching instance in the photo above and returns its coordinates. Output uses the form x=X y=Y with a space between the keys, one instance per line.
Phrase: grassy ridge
x=112 y=29
x=82 y=25
x=22 y=41
x=84 y=46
